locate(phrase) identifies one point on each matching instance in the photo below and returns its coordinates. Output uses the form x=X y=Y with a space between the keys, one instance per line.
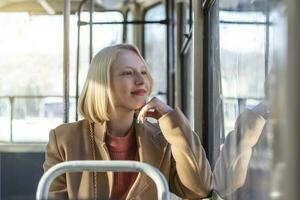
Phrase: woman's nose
x=139 y=78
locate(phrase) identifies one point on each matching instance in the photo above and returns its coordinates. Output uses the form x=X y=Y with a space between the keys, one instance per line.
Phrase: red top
x=122 y=148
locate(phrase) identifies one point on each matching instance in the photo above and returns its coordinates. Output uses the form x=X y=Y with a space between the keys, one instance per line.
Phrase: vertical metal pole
x=170 y=52
x=91 y=28
x=267 y=10
x=78 y=59
x=11 y=101
x=66 y=80
x=139 y=30
x=77 y=66
x=190 y=14
x=124 y=34
x=198 y=44
x=292 y=135
x=180 y=16
x=212 y=102
x=172 y=47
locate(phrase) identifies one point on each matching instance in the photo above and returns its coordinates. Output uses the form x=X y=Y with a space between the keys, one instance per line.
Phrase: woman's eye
x=127 y=73
x=144 y=72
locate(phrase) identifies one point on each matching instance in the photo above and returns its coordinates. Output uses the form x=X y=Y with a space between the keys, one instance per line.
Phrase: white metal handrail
x=103 y=166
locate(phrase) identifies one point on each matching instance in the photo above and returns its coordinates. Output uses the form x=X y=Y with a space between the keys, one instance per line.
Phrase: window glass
x=188 y=16
x=31 y=57
x=129 y=38
x=5 y=116
x=155 y=50
x=244 y=58
x=35 y=117
x=103 y=36
x=231 y=16
x=27 y=47
x=242 y=61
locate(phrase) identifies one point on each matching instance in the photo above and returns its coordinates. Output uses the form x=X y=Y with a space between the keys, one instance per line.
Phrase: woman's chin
x=138 y=106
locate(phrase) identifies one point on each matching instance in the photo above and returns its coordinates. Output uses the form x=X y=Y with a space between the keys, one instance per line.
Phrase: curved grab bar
x=102 y=166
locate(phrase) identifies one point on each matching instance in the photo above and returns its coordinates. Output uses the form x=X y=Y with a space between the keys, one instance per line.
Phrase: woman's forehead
x=128 y=59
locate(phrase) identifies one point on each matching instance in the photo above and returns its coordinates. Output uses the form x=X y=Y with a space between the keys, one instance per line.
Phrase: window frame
x=32 y=146
x=145 y=11
x=212 y=142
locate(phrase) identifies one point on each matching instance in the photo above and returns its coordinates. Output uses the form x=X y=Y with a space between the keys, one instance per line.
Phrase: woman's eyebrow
x=134 y=68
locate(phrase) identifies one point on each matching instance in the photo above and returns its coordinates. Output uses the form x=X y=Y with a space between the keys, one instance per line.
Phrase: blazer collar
x=151 y=149
x=150 y=145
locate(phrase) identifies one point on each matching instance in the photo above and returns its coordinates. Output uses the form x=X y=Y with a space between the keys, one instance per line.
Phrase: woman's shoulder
x=71 y=127
x=70 y=130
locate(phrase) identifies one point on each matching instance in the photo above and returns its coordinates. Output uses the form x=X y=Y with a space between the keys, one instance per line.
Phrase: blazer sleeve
x=231 y=167
x=58 y=188
x=190 y=174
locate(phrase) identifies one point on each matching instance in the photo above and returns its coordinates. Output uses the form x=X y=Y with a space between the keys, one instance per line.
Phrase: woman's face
x=129 y=81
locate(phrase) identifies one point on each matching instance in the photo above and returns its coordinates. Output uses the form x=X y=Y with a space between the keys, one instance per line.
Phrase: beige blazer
x=170 y=145
x=231 y=167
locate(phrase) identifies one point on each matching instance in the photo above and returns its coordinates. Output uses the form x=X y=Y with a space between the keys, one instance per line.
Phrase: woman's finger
x=148 y=106
x=152 y=113
x=159 y=109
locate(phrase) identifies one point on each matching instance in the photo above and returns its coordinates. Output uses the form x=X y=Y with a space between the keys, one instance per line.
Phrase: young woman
x=117 y=86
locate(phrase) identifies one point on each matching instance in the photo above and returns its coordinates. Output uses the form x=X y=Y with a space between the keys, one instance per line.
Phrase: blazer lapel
x=151 y=149
x=151 y=144
x=99 y=130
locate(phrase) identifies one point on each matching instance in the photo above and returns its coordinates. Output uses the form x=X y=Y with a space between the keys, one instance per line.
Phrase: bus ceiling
x=54 y=7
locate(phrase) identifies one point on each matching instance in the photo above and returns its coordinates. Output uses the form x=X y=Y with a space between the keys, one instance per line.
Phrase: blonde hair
x=96 y=95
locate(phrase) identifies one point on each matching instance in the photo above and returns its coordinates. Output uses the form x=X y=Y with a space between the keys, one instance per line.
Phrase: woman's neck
x=120 y=122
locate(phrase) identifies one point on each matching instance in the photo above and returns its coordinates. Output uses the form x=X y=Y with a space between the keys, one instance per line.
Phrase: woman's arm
x=231 y=167
x=58 y=189
x=190 y=175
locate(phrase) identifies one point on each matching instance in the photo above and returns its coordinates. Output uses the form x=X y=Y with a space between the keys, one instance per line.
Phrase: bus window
x=155 y=50
x=34 y=57
x=103 y=35
x=31 y=59
x=5 y=116
x=242 y=59
x=242 y=69
x=129 y=36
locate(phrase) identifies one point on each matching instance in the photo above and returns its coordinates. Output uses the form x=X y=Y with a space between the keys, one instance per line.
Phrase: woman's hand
x=155 y=108
x=263 y=109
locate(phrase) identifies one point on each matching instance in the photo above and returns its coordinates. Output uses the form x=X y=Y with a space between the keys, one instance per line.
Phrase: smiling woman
x=117 y=85
x=114 y=74
x=211 y=120
x=131 y=80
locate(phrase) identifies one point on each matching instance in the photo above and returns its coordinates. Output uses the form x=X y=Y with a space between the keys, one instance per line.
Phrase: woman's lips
x=139 y=92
